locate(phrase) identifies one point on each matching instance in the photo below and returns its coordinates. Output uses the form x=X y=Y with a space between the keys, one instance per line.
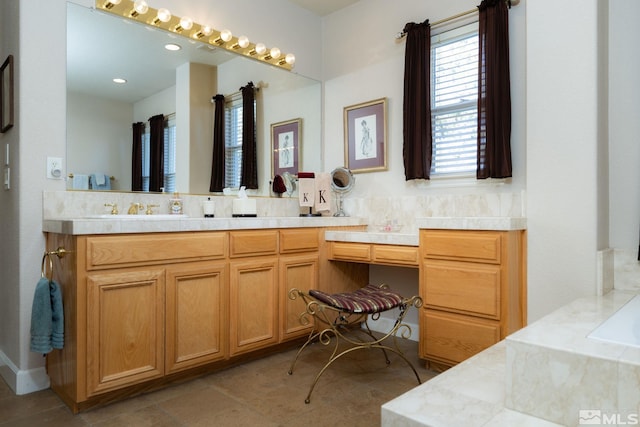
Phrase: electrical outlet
x=54 y=167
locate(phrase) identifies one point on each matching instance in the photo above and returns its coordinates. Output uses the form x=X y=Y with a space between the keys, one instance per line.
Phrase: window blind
x=454 y=101
x=233 y=143
x=169 y=155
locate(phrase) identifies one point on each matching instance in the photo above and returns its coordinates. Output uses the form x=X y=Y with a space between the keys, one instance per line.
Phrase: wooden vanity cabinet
x=145 y=309
x=137 y=308
x=375 y=253
x=473 y=287
x=299 y=268
x=196 y=313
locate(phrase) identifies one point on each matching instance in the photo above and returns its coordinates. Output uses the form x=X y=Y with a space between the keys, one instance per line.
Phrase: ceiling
x=323 y=7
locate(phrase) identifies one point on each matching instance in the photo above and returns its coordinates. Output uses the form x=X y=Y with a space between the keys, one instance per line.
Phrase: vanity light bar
x=219 y=39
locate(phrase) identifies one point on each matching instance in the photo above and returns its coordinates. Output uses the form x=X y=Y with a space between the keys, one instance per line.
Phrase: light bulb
x=110 y=3
x=261 y=48
x=243 y=41
x=290 y=58
x=275 y=53
x=164 y=15
x=185 y=23
x=225 y=35
x=141 y=7
x=204 y=30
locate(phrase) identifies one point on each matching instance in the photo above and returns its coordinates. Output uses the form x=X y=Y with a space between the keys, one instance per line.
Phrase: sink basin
x=137 y=217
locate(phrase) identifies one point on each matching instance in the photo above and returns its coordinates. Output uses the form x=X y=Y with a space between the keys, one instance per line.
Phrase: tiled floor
x=259 y=393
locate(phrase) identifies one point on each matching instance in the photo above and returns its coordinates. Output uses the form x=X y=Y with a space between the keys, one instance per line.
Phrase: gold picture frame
x=365 y=136
x=286 y=139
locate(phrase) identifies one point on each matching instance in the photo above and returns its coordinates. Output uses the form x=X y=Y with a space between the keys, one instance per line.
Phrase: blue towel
x=100 y=181
x=47 y=317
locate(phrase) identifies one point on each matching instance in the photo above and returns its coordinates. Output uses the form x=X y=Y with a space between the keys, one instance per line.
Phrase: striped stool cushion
x=370 y=299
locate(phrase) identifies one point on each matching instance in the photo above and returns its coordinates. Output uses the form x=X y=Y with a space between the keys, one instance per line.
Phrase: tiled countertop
x=473 y=223
x=116 y=225
x=384 y=238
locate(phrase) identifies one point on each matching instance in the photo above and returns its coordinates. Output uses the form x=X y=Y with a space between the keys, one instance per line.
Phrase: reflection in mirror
x=100 y=113
x=342 y=181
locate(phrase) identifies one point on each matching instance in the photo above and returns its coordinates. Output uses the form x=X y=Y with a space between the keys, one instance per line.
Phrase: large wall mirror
x=100 y=113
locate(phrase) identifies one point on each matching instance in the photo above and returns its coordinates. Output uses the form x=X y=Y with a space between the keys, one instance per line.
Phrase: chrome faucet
x=114 y=208
x=134 y=208
x=150 y=209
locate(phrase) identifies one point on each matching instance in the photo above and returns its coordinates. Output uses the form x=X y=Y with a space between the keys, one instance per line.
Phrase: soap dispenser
x=208 y=207
x=175 y=204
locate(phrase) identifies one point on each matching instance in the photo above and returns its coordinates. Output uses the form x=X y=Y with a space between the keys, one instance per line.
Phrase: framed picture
x=365 y=136
x=286 y=138
x=6 y=95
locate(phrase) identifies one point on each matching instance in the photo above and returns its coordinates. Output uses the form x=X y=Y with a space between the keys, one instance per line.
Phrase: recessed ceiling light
x=119 y=80
x=172 y=46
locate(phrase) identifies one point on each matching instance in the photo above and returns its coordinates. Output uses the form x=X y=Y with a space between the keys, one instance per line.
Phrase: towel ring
x=60 y=253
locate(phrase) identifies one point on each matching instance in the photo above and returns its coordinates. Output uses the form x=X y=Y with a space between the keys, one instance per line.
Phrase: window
x=233 y=141
x=454 y=109
x=169 y=155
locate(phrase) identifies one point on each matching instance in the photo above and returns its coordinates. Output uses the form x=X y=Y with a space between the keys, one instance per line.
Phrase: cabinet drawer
x=463 y=287
x=462 y=245
x=454 y=338
x=389 y=254
x=131 y=250
x=253 y=243
x=299 y=240
x=350 y=251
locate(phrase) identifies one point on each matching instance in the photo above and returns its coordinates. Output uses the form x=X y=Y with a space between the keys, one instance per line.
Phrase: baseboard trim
x=23 y=381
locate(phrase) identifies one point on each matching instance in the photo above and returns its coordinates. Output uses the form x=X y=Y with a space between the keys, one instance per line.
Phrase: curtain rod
x=235 y=95
x=402 y=33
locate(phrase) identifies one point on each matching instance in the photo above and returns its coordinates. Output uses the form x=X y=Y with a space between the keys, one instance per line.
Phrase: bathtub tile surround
x=543 y=375
x=470 y=394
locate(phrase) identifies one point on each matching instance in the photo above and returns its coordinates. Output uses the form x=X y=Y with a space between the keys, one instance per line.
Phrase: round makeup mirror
x=342 y=181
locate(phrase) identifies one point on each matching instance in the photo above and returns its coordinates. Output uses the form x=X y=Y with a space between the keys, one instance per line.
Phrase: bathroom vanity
x=151 y=302
x=144 y=309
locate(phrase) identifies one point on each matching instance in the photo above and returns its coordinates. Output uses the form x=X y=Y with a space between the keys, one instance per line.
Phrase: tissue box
x=244 y=207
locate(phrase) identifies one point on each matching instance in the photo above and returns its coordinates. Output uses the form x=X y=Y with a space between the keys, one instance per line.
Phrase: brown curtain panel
x=217 y=161
x=494 y=93
x=136 y=157
x=156 y=153
x=249 y=172
x=418 y=142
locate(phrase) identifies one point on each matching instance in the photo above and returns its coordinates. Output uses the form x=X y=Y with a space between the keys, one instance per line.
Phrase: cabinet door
x=196 y=315
x=125 y=328
x=253 y=315
x=452 y=338
x=299 y=272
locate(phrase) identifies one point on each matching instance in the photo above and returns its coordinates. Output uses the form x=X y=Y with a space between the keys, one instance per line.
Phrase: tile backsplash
x=379 y=210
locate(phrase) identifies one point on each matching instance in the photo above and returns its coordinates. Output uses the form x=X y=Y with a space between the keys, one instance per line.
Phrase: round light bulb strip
x=139 y=11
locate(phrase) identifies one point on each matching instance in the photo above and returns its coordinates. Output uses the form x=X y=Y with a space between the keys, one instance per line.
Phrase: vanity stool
x=345 y=316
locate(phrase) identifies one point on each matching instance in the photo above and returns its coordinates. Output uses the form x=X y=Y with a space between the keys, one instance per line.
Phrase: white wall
x=624 y=131
x=99 y=138
x=562 y=144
